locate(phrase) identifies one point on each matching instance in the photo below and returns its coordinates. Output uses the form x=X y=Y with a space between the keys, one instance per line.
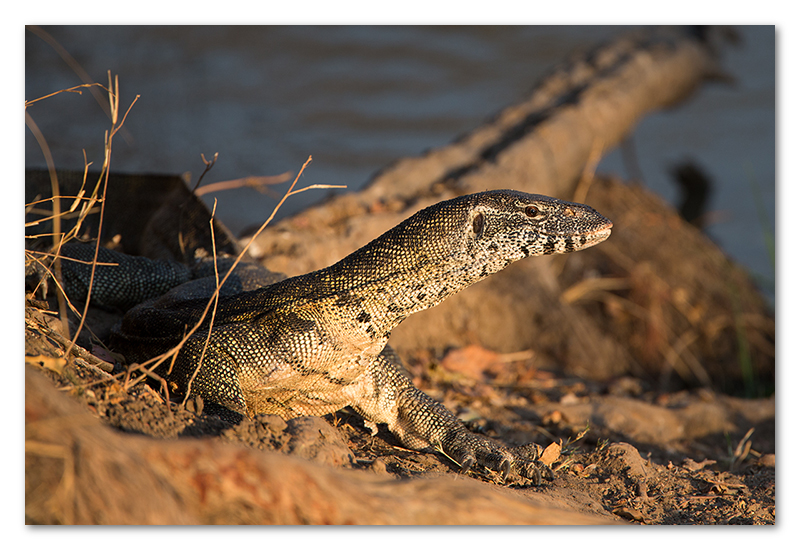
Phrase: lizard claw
x=535 y=471
x=505 y=469
x=529 y=465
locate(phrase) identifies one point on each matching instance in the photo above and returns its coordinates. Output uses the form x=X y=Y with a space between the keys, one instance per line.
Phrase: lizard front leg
x=421 y=423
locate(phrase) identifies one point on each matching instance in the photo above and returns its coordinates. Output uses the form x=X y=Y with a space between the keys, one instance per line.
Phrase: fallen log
x=543 y=145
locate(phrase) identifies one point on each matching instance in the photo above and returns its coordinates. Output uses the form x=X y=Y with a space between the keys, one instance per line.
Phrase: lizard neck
x=373 y=302
x=411 y=267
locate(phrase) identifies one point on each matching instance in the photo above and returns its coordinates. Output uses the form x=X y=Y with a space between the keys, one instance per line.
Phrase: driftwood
x=660 y=313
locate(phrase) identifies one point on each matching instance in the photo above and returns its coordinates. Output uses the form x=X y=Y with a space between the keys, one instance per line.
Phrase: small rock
x=767 y=460
x=569 y=399
x=626 y=386
x=378 y=466
x=195 y=404
x=625 y=458
x=313 y=438
x=693 y=466
x=273 y=422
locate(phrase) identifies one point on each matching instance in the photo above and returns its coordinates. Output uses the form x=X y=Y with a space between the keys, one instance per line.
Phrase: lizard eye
x=477 y=224
x=531 y=211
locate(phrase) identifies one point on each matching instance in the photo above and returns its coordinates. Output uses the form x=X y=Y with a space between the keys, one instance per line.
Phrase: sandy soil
x=629 y=453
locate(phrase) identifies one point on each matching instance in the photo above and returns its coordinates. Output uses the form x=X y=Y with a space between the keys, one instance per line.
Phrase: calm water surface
x=357 y=98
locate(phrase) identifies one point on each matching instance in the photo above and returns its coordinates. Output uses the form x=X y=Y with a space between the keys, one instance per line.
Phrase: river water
x=357 y=98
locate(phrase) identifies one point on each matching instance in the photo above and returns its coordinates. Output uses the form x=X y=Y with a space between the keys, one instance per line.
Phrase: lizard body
x=313 y=344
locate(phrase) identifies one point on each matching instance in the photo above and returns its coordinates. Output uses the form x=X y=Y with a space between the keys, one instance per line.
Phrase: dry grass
x=87 y=202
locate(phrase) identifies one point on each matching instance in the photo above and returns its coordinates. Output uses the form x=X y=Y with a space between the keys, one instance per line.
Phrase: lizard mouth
x=598 y=235
x=563 y=241
x=601 y=230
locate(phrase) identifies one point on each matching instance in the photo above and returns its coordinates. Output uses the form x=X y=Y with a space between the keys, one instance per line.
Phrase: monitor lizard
x=316 y=343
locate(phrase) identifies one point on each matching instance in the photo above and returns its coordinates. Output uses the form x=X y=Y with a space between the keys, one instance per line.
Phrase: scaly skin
x=316 y=343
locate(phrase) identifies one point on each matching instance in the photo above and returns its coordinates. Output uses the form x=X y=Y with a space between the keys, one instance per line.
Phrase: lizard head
x=511 y=225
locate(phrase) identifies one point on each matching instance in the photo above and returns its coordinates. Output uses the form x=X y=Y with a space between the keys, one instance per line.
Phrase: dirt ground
x=629 y=453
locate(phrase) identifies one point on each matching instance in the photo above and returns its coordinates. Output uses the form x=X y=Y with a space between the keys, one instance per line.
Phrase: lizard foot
x=512 y=463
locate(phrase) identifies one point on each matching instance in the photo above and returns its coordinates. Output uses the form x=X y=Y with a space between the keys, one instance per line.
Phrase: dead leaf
x=551 y=453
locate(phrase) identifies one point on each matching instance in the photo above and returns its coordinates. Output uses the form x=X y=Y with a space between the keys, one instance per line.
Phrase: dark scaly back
x=415 y=265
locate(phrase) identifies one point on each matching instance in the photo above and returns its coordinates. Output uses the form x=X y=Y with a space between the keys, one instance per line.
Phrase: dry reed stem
x=58 y=285
x=209 y=164
x=742 y=449
x=586 y=288
x=29 y=206
x=216 y=304
x=60 y=239
x=82 y=357
x=40 y=139
x=88 y=207
x=677 y=356
x=87 y=262
x=64 y=216
x=589 y=169
x=74 y=89
x=256 y=182
x=113 y=99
